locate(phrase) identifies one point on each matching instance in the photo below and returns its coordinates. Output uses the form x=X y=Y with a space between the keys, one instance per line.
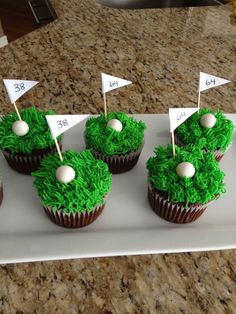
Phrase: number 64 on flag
x=207 y=81
x=109 y=83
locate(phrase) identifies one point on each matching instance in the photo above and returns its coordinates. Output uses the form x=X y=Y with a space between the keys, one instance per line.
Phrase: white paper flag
x=207 y=81
x=178 y=115
x=58 y=124
x=111 y=82
x=17 y=88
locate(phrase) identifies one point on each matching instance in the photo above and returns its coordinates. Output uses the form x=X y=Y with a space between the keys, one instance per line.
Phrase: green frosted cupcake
x=117 y=140
x=181 y=188
x=199 y=131
x=79 y=202
x=24 y=153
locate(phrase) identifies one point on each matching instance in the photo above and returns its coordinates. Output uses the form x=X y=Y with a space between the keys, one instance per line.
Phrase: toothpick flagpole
x=173 y=143
x=199 y=99
x=58 y=149
x=105 y=105
x=17 y=111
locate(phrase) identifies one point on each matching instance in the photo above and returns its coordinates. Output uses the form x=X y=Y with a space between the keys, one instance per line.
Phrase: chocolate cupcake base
x=119 y=163
x=174 y=212
x=27 y=163
x=1 y=194
x=73 y=220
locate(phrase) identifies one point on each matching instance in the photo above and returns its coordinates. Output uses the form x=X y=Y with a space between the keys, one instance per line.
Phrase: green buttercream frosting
x=218 y=137
x=205 y=185
x=91 y=184
x=38 y=137
x=102 y=138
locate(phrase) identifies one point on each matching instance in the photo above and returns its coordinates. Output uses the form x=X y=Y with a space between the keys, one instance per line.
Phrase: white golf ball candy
x=65 y=174
x=208 y=120
x=20 y=128
x=115 y=124
x=185 y=169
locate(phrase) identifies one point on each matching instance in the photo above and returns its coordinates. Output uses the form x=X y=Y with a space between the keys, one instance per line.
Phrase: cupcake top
x=217 y=137
x=38 y=137
x=104 y=139
x=205 y=185
x=91 y=184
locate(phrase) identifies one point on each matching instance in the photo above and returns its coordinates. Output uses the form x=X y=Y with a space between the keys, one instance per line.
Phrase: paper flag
x=17 y=88
x=207 y=81
x=111 y=82
x=58 y=124
x=178 y=115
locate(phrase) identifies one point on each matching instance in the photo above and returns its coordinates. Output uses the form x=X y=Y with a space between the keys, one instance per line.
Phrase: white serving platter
x=127 y=226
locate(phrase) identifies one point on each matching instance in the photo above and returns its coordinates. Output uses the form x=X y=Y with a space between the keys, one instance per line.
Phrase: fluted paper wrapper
x=27 y=163
x=122 y=163
x=74 y=220
x=174 y=212
x=218 y=154
x=1 y=194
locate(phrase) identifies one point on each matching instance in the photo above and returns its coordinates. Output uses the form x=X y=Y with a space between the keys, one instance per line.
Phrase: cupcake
x=118 y=140
x=181 y=188
x=24 y=153
x=207 y=129
x=78 y=202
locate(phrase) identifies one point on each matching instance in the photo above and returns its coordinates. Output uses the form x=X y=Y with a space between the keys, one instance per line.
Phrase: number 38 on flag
x=58 y=124
x=17 y=88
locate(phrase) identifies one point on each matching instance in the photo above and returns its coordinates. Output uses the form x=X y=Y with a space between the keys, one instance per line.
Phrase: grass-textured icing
x=91 y=184
x=205 y=185
x=38 y=137
x=107 y=141
x=218 y=137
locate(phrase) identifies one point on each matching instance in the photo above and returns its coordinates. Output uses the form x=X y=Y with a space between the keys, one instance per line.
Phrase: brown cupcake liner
x=218 y=153
x=73 y=220
x=1 y=194
x=174 y=212
x=27 y=163
x=119 y=163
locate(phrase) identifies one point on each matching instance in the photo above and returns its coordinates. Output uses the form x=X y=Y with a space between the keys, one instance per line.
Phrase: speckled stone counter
x=161 y=52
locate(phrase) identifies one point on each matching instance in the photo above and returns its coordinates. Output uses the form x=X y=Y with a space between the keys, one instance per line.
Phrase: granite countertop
x=161 y=52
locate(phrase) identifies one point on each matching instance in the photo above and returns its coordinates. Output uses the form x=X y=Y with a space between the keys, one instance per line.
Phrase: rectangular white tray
x=126 y=227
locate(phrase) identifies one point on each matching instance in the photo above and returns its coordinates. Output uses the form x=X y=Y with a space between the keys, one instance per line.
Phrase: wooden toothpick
x=58 y=149
x=199 y=99
x=173 y=143
x=105 y=105
x=17 y=111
